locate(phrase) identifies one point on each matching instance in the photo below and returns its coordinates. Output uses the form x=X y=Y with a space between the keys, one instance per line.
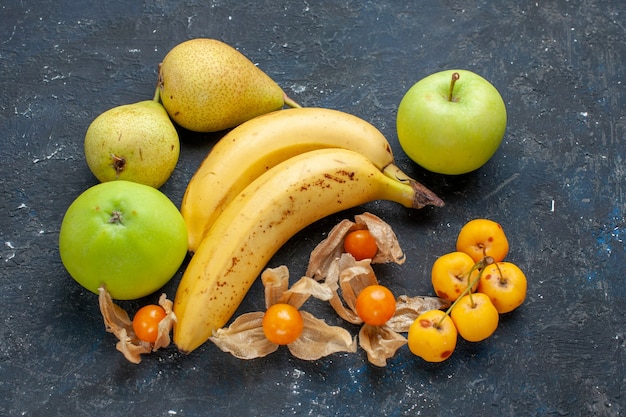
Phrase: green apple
x=451 y=122
x=125 y=235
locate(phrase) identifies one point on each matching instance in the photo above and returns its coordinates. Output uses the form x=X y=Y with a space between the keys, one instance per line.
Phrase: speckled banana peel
x=263 y=217
x=261 y=143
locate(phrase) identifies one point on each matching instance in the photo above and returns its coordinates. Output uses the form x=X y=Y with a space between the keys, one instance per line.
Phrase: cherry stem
x=480 y=266
x=501 y=279
x=455 y=77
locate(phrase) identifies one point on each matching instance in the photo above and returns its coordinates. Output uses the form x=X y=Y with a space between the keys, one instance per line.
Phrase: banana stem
x=422 y=195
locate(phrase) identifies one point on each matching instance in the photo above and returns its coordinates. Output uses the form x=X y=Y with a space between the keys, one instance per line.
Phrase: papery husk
x=409 y=308
x=331 y=248
x=354 y=276
x=131 y=350
x=276 y=282
x=389 y=249
x=380 y=343
x=115 y=317
x=166 y=324
x=351 y=276
x=318 y=339
x=327 y=251
x=244 y=338
x=117 y=321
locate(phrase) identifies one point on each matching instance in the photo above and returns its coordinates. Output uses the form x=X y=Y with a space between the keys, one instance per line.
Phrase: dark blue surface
x=556 y=185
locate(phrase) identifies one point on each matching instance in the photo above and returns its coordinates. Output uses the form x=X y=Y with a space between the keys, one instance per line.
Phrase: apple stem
x=455 y=77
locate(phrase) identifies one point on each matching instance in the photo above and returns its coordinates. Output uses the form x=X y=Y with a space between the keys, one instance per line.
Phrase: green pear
x=208 y=86
x=134 y=142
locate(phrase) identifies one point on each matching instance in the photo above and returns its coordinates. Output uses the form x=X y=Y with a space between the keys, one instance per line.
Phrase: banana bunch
x=262 y=183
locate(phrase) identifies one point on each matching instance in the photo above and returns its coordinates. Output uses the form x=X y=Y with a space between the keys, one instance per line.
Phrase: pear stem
x=157 y=94
x=290 y=102
x=455 y=77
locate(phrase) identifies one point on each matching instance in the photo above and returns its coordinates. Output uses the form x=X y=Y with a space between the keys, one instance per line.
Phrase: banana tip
x=424 y=196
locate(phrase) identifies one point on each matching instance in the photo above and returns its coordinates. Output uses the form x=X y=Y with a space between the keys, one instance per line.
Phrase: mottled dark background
x=556 y=185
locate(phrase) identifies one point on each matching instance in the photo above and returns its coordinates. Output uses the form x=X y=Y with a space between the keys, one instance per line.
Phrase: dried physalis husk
x=380 y=343
x=117 y=321
x=276 y=284
x=332 y=247
x=245 y=339
x=166 y=324
x=409 y=308
x=351 y=276
x=318 y=339
x=388 y=246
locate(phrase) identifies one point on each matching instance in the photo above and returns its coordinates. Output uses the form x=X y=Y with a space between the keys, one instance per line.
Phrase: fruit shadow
x=196 y=145
x=191 y=139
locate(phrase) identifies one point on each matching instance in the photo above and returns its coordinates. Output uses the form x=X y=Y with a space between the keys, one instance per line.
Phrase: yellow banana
x=259 y=144
x=267 y=213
